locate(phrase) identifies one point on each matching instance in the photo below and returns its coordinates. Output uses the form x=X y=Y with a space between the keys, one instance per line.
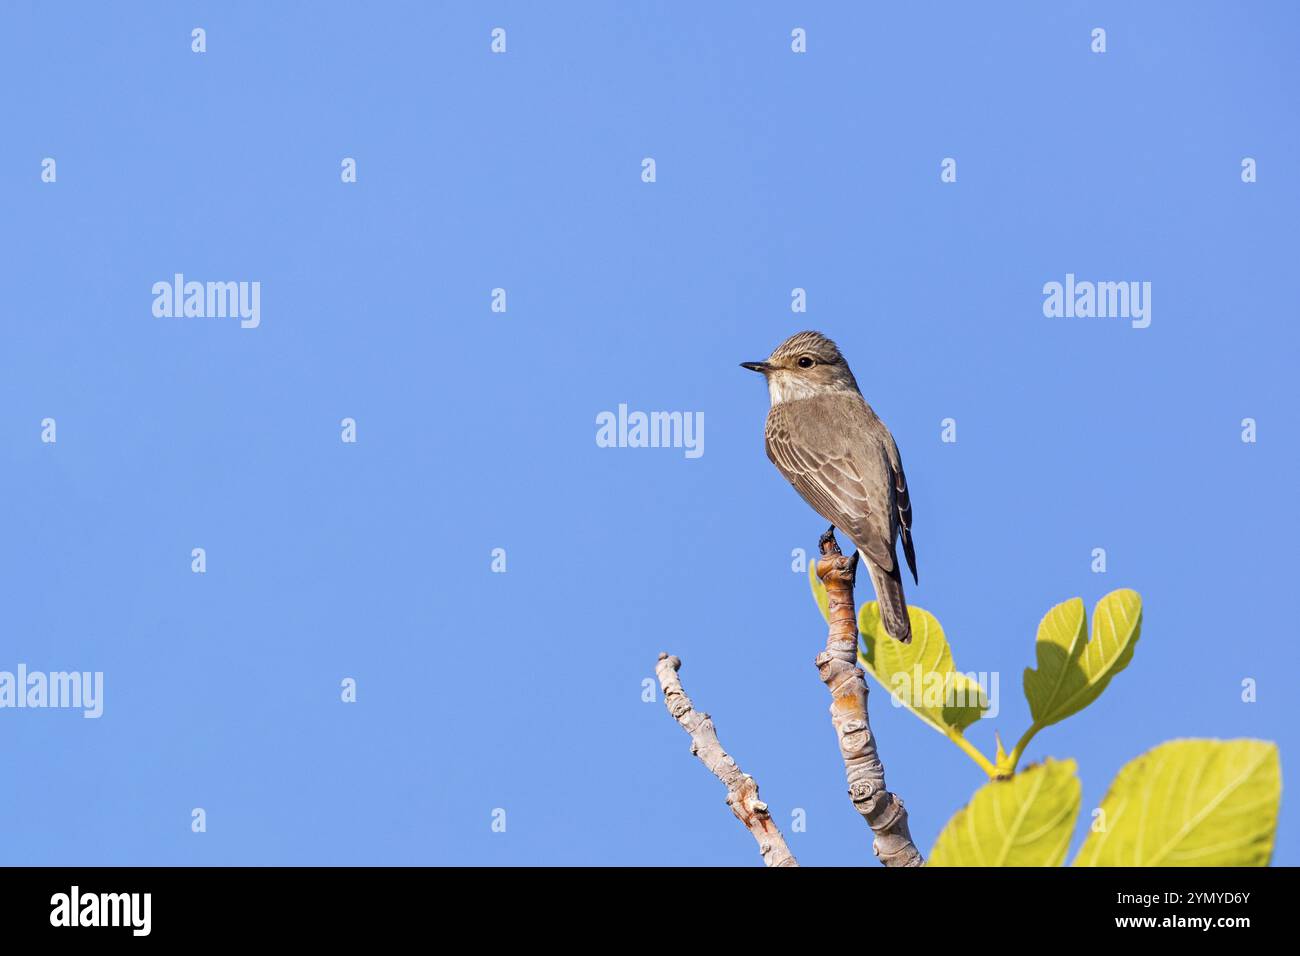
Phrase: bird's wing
x=902 y=506
x=839 y=470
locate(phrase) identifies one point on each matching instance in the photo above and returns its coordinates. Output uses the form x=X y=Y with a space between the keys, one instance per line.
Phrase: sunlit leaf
x=920 y=675
x=1072 y=671
x=819 y=591
x=1024 y=821
x=1190 y=803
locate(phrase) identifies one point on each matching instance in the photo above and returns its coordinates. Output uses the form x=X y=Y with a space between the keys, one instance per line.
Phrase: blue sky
x=476 y=430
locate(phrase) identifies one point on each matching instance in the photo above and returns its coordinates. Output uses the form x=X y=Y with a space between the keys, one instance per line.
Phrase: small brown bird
x=824 y=437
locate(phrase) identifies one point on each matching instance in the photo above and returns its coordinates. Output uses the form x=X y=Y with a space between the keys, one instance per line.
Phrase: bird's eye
x=806 y=362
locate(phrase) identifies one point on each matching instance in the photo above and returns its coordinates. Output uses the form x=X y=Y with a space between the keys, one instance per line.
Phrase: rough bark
x=838 y=667
x=742 y=791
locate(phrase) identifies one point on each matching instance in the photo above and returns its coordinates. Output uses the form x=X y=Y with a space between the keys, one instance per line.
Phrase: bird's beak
x=755 y=366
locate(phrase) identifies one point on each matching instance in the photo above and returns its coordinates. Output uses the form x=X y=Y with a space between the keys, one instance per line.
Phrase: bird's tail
x=893 y=606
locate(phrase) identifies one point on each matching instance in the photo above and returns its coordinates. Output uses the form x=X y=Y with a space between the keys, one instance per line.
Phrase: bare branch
x=742 y=791
x=838 y=667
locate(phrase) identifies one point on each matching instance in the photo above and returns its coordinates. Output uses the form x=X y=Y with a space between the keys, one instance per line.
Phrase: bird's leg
x=829 y=547
x=828 y=538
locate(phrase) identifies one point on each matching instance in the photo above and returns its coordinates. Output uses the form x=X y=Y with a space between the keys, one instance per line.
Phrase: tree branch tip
x=742 y=789
x=839 y=666
x=674 y=661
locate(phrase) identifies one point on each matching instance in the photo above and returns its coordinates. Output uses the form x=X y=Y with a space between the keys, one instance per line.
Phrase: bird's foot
x=830 y=548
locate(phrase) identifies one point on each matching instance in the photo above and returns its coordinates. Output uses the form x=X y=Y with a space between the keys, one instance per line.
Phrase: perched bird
x=824 y=437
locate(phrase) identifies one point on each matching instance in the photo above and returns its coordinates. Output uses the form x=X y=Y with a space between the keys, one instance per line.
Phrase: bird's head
x=804 y=365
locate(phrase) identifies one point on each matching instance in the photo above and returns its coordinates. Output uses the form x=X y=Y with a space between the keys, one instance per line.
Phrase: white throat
x=783 y=386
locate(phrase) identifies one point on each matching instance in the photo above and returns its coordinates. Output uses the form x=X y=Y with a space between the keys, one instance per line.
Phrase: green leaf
x=921 y=675
x=819 y=591
x=1024 y=821
x=1072 y=672
x=936 y=692
x=1190 y=803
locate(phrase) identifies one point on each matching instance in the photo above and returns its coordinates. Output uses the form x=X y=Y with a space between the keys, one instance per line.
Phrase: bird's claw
x=827 y=538
x=851 y=570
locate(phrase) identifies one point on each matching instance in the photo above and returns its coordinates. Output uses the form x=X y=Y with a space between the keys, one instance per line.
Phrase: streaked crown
x=804 y=365
x=813 y=344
